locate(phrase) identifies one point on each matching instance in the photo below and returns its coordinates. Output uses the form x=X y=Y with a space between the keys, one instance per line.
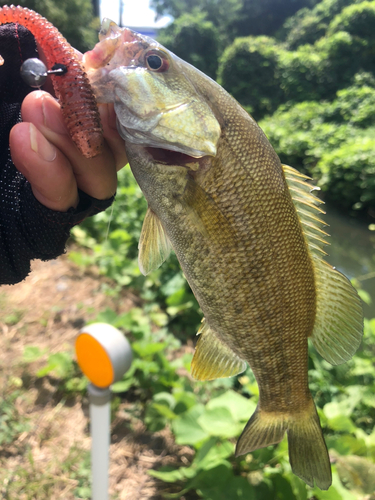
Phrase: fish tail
x=308 y=453
x=263 y=429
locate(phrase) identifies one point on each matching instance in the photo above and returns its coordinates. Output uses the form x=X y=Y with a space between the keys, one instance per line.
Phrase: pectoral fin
x=213 y=359
x=154 y=246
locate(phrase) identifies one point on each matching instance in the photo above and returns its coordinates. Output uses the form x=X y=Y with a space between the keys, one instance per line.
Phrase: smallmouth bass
x=247 y=232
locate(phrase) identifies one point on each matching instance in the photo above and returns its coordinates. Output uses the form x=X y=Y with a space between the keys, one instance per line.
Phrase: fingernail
x=52 y=116
x=40 y=145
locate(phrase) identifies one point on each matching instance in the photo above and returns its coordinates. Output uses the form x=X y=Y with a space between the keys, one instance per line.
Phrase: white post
x=104 y=356
x=100 y=416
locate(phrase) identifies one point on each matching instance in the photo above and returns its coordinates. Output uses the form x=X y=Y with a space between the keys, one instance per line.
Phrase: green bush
x=347 y=174
x=306 y=30
x=195 y=40
x=357 y=20
x=308 y=25
x=312 y=73
x=248 y=70
x=332 y=141
x=301 y=74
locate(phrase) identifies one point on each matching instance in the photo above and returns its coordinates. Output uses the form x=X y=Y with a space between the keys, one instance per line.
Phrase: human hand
x=44 y=153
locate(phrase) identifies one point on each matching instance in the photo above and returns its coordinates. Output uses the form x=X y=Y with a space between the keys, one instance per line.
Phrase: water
x=352 y=251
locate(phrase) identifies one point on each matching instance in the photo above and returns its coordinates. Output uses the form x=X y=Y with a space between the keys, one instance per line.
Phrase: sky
x=135 y=13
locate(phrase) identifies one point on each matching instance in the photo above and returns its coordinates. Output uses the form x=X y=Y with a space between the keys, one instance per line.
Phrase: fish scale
x=246 y=231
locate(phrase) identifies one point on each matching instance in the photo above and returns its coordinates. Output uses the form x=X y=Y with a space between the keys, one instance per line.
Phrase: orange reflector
x=94 y=361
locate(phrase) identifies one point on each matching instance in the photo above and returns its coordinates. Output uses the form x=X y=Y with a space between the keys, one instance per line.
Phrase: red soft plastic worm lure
x=73 y=89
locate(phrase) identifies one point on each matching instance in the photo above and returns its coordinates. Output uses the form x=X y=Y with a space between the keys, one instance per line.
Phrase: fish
x=78 y=104
x=248 y=233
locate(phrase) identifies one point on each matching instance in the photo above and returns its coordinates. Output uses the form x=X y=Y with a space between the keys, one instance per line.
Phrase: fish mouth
x=170 y=157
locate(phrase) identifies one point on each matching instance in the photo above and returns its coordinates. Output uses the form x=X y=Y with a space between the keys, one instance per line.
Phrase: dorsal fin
x=338 y=326
x=307 y=206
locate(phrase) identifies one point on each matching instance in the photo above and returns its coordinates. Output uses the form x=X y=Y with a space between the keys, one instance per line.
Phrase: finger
x=44 y=166
x=111 y=135
x=95 y=176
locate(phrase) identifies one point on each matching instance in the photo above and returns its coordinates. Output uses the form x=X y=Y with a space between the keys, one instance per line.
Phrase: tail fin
x=263 y=429
x=308 y=453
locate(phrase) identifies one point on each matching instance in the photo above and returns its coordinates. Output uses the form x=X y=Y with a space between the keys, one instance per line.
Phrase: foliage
x=265 y=17
x=12 y=424
x=73 y=18
x=248 y=70
x=195 y=40
x=343 y=395
x=30 y=480
x=221 y=13
x=357 y=20
x=333 y=141
x=113 y=239
x=261 y=70
x=61 y=366
x=308 y=25
x=209 y=416
x=239 y=17
x=202 y=29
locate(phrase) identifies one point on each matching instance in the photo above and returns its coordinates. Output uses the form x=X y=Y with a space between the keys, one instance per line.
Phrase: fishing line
x=109 y=221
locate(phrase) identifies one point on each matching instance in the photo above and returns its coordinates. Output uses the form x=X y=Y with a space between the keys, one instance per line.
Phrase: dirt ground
x=47 y=310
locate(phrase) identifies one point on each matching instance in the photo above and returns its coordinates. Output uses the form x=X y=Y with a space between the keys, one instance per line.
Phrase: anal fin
x=154 y=246
x=214 y=359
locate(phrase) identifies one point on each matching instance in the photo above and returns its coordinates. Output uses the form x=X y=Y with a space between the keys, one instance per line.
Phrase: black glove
x=28 y=230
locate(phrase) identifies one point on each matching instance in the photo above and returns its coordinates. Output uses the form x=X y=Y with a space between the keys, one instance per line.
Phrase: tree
x=221 y=13
x=195 y=40
x=265 y=17
x=309 y=25
x=237 y=17
x=73 y=18
x=249 y=71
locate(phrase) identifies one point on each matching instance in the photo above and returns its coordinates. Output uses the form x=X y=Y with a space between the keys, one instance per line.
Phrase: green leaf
x=121 y=385
x=219 y=483
x=337 y=414
x=335 y=492
x=144 y=349
x=240 y=407
x=213 y=452
x=346 y=444
x=32 y=353
x=342 y=424
x=168 y=474
x=237 y=488
x=219 y=422
x=165 y=398
x=184 y=401
x=107 y=316
x=164 y=410
x=186 y=427
x=283 y=487
x=61 y=363
x=365 y=296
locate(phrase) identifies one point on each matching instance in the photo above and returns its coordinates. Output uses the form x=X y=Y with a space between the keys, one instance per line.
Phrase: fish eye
x=156 y=61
